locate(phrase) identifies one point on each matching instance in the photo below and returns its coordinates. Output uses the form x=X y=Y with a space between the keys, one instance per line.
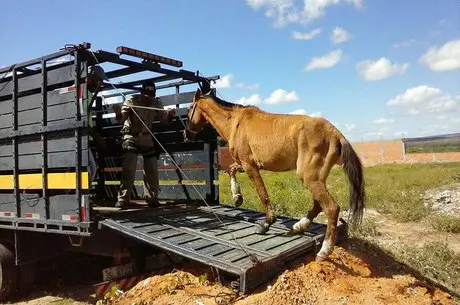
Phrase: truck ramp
x=223 y=237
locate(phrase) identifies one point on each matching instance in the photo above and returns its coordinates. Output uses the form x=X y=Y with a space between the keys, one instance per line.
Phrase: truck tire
x=8 y=273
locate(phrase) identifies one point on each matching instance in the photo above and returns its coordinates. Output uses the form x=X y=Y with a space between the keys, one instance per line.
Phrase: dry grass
x=391 y=189
x=394 y=190
x=449 y=224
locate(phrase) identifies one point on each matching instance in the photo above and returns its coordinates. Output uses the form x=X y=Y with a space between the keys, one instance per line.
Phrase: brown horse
x=281 y=142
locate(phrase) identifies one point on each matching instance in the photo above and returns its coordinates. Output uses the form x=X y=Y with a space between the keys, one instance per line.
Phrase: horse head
x=195 y=118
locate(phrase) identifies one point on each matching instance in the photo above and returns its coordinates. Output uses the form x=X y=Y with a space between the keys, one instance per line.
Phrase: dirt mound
x=444 y=200
x=343 y=279
x=346 y=279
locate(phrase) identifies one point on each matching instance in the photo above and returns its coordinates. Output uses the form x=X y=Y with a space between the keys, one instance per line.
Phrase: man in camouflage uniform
x=138 y=140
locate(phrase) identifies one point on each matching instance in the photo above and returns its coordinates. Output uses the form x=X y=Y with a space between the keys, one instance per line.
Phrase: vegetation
x=435 y=261
x=391 y=189
x=394 y=190
x=451 y=144
x=449 y=224
x=221 y=142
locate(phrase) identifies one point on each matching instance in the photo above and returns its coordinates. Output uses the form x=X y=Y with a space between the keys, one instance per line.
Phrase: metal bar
x=107 y=86
x=177 y=94
x=120 y=94
x=114 y=58
x=208 y=169
x=26 y=71
x=46 y=58
x=106 y=56
x=38 y=130
x=101 y=157
x=45 y=229
x=153 y=79
x=15 y=144
x=77 y=130
x=149 y=56
x=122 y=72
x=169 y=85
x=185 y=82
x=44 y=139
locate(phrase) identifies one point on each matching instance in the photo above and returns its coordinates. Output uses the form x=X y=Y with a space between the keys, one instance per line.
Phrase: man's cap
x=149 y=86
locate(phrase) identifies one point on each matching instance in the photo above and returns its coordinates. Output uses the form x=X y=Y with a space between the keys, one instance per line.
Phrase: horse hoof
x=262 y=228
x=293 y=232
x=320 y=258
x=238 y=199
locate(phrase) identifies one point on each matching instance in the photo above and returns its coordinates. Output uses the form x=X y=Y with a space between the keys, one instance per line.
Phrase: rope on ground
x=252 y=257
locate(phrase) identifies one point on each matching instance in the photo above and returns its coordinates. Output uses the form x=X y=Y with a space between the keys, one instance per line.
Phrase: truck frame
x=48 y=208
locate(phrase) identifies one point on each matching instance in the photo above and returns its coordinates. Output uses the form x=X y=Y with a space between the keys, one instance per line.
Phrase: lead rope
x=251 y=256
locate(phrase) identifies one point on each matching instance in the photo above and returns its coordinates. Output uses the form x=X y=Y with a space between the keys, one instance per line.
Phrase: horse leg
x=254 y=174
x=305 y=222
x=234 y=186
x=331 y=209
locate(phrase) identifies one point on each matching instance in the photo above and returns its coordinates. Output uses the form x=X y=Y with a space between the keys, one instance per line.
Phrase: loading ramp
x=194 y=232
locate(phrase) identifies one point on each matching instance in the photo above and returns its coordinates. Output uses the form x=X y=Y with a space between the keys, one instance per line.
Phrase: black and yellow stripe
x=34 y=181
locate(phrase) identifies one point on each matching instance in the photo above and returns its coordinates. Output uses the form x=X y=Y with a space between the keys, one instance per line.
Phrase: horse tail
x=353 y=168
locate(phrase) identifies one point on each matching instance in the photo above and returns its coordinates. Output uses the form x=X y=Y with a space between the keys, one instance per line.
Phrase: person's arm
x=122 y=113
x=164 y=116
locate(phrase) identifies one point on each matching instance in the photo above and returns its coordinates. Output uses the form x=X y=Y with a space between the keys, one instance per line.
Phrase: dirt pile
x=343 y=279
x=444 y=200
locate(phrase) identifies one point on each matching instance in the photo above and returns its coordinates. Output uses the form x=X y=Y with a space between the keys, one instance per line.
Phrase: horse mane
x=226 y=104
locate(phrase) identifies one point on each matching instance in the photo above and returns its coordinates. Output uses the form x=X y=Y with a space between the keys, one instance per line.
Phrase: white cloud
x=280 y=96
x=350 y=127
x=304 y=112
x=299 y=111
x=284 y=12
x=306 y=36
x=253 y=100
x=404 y=44
x=380 y=69
x=424 y=99
x=383 y=121
x=339 y=35
x=316 y=114
x=399 y=134
x=326 y=61
x=373 y=133
x=247 y=87
x=435 y=129
x=224 y=82
x=443 y=58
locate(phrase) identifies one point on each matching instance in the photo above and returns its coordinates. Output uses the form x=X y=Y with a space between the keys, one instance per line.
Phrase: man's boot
x=121 y=204
x=152 y=203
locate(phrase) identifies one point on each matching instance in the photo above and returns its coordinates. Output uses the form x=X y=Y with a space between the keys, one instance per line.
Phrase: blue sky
x=376 y=68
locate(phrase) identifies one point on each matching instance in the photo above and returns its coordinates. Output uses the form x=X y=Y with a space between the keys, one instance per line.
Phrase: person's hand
x=171 y=112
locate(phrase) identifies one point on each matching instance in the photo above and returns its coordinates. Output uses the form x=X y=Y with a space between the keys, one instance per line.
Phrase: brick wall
x=376 y=153
x=373 y=153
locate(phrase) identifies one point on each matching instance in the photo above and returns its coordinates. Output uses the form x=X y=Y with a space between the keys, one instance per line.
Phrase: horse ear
x=197 y=94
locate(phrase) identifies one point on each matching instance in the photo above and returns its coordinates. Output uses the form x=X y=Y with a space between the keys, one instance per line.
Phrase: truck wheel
x=8 y=273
